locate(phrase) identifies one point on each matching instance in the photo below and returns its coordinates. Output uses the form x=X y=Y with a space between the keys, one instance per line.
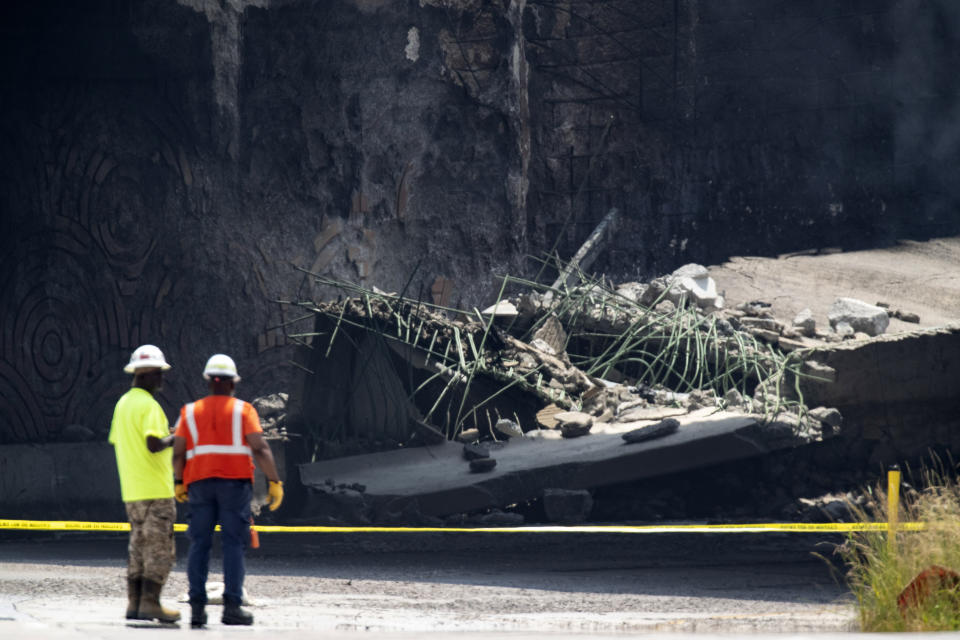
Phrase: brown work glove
x=275 y=495
x=180 y=491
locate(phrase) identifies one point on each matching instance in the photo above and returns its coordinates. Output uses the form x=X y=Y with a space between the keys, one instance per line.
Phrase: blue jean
x=227 y=502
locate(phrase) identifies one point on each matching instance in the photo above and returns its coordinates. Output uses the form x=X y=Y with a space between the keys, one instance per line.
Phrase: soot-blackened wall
x=166 y=165
x=748 y=127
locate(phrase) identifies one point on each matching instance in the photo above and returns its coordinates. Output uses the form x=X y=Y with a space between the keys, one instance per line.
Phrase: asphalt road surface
x=408 y=585
x=919 y=277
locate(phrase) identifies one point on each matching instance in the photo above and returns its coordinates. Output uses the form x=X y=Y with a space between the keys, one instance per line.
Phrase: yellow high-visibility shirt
x=143 y=475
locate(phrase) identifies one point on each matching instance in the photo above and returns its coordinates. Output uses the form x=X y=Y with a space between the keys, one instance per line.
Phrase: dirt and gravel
x=419 y=584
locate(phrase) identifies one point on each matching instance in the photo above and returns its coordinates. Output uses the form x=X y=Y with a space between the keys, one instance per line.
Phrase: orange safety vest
x=215 y=429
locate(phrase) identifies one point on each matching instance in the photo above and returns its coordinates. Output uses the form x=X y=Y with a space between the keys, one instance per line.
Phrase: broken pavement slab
x=436 y=481
x=897 y=393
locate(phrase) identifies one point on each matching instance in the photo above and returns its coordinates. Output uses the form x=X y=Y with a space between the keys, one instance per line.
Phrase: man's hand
x=155 y=444
x=275 y=494
x=180 y=491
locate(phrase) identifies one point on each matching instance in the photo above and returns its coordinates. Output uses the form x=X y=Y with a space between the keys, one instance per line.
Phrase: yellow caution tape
x=775 y=527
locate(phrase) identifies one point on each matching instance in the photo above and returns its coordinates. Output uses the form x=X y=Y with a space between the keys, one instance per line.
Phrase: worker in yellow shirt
x=140 y=435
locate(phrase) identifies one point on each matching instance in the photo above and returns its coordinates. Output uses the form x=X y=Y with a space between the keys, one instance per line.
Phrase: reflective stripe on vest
x=237 y=448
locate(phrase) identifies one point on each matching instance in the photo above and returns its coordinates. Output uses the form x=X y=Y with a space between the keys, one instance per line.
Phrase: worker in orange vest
x=216 y=441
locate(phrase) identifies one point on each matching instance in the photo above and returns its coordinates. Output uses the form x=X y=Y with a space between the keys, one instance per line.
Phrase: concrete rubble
x=272 y=410
x=858 y=316
x=535 y=404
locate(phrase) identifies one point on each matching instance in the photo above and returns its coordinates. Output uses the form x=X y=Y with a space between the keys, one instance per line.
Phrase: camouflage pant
x=152 y=550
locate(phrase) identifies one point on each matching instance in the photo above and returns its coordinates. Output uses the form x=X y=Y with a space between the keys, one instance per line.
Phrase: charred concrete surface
x=404 y=485
x=165 y=162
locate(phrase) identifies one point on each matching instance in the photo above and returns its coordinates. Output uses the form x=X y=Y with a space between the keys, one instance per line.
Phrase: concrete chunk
x=573 y=419
x=482 y=465
x=859 y=315
x=805 y=323
x=694 y=282
x=657 y=430
x=503 y=309
x=475 y=451
x=508 y=428
x=827 y=416
x=551 y=333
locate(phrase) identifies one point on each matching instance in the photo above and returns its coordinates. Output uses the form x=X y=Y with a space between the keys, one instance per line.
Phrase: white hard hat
x=221 y=365
x=146 y=357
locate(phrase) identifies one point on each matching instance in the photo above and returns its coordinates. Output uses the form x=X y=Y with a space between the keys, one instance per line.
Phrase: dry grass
x=878 y=572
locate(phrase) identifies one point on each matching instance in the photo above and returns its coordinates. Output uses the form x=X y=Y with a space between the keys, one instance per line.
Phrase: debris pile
x=550 y=363
x=646 y=365
x=272 y=410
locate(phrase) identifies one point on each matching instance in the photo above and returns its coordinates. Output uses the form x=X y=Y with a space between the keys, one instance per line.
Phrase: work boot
x=198 y=615
x=235 y=614
x=134 y=588
x=150 y=607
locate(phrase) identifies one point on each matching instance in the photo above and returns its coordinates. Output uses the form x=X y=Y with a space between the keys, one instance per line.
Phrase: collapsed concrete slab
x=437 y=480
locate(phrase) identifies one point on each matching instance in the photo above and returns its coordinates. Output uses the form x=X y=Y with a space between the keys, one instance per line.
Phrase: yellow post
x=893 y=507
